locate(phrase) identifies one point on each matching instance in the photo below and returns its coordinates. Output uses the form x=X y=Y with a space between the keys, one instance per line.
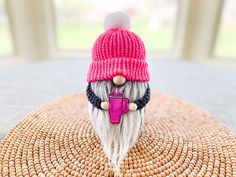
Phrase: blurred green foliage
x=5 y=40
x=77 y=28
x=72 y=36
x=226 y=42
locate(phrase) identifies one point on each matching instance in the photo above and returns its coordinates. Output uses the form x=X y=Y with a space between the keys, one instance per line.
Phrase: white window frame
x=35 y=38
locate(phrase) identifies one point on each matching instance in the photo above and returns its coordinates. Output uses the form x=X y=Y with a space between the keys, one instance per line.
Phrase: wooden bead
x=133 y=107
x=119 y=80
x=105 y=105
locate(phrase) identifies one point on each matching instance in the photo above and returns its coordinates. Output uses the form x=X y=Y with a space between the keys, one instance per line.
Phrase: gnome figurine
x=118 y=88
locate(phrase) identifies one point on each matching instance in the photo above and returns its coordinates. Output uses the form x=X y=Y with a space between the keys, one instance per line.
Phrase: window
x=5 y=37
x=226 y=39
x=79 y=22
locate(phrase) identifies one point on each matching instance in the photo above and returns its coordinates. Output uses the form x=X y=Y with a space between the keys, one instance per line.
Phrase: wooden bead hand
x=105 y=105
x=133 y=107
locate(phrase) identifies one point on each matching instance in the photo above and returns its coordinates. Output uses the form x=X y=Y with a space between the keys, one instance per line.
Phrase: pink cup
x=118 y=105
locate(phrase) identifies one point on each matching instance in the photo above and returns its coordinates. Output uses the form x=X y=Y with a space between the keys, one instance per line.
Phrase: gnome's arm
x=132 y=106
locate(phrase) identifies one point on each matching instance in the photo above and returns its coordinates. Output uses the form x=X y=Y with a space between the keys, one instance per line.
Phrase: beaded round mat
x=178 y=140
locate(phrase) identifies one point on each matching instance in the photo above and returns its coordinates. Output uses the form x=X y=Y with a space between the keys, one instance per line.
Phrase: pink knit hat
x=118 y=51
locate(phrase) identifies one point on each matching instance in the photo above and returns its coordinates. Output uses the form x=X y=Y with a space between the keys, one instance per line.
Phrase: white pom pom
x=116 y=20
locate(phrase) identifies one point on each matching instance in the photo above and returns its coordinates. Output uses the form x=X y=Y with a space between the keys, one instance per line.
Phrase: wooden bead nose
x=119 y=80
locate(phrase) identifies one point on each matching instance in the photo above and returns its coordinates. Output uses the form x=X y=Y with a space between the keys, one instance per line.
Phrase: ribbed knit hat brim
x=131 y=69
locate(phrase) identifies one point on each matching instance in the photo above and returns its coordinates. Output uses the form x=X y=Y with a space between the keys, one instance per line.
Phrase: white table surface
x=27 y=86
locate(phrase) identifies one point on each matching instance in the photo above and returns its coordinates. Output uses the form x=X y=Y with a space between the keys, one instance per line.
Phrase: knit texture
x=118 y=51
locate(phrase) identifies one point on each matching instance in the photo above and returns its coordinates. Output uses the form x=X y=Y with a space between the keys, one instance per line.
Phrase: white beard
x=117 y=139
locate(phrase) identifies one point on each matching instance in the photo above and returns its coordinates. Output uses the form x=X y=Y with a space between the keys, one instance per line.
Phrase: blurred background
x=33 y=30
x=45 y=51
